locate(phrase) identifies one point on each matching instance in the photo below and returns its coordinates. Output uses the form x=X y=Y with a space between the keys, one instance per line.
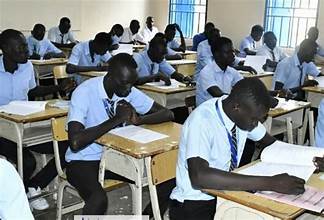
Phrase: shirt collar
x=228 y=122
x=217 y=68
x=2 y=68
x=250 y=39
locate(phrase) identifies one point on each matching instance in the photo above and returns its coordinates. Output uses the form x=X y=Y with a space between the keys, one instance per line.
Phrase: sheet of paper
x=23 y=107
x=270 y=169
x=161 y=85
x=312 y=199
x=256 y=62
x=62 y=104
x=123 y=48
x=287 y=105
x=138 y=134
x=320 y=81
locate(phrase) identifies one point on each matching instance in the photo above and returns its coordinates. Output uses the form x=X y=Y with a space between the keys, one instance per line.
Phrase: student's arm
x=71 y=68
x=180 y=78
x=175 y=56
x=41 y=91
x=114 y=47
x=182 y=46
x=155 y=77
x=69 y=45
x=249 y=52
x=215 y=91
x=50 y=55
x=246 y=68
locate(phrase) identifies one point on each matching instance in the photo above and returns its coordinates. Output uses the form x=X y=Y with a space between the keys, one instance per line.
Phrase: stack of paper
x=123 y=48
x=161 y=84
x=320 y=81
x=286 y=105
x=256 y=62
x=23 y=107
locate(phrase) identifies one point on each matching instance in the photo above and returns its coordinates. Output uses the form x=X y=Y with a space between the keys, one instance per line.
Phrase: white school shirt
x=213 y=75
x=204 y=135
x=147 y=34
x=278 y=54
x=128 y=36
x=55 y=35
x=87 y=107
x=17 y=85
x=41 y=47
x=319 y=132
x=249 y=43
x=13 y=200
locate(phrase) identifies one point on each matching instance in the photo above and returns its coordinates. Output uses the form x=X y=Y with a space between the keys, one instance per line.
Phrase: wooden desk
x=189 y=55
x=128 y=158
x=28 y=130
x=138 y=48
x=314 y=95
x=243 y=205
x=185 y=67
x=171 y=98
x=92 y=74
x=265 y=77
x=44 y=68
x=67 y=51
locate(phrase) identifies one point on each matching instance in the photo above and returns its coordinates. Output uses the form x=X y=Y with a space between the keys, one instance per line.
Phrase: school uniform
x=248 y=43
x=319 y=131
x=115 y=40
x=13 y=200
x=292 y=73
x=81 y=56
x=212 y=75
x=197 y=39
x=91 y=106
x=128 y=36
x=275 y=55
x=174 y=44
x=199 y=139
x=147 y=34
x=55 y=35
x=41 y=47
x=146 y=67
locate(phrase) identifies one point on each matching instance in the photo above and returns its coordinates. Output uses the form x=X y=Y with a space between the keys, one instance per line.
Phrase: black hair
x=170 y=27
x=39 y=26
x=158 y=39
x=307 y=44
x=103 y=38
x=149 y=17
x=257 y=29
x=209 y=25
x=122 y=60
x=64 y=19
x=133 y=22
x=213 y=35
x=117 y=27
x=268 y=34
x=7 y=35
x=251 y=91
x=218 y=44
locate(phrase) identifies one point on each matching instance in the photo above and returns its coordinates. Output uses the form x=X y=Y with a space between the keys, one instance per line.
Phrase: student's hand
x=284 y=183
x=102 y=68
x=163 y=77
x=285 y=93
x=251 y=70
x=177 y=27
x=67 y=86
x=310 y=83
x=35 y=56
x=124 y=111
x=319 y=164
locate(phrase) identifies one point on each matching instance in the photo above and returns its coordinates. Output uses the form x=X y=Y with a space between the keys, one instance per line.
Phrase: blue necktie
x=233 y=150
x=110 y=110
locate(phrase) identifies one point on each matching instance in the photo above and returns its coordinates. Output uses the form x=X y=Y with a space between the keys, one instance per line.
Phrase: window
x=189 y=14
x=290 y=19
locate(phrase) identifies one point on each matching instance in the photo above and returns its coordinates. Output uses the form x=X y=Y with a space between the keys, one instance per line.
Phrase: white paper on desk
x=23 y=107
x=320 y=81
x=138 y=134
x=256 y=62
x=123 y=48
x=287 y=105
x=62 y=104
x=161 y=84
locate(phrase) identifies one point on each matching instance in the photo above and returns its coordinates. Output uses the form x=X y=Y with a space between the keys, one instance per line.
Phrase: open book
x=161 y=84
x=23 y=107
x=282 y=157
x=256 y=62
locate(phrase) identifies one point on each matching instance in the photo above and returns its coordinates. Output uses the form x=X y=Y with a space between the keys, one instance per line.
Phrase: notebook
x=23 y=107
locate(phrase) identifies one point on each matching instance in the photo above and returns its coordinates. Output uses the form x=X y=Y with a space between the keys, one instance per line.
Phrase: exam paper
x=123 y=48
x=23 y=107
x=256 y=62
x=161 y=84
x=138 y=134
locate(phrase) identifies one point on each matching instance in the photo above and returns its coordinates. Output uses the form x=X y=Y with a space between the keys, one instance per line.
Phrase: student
x=172 y=43
x=116 y=33
x=149 y=31
x=131 y=35
x=273 y=53
x=90 y=55
x=13 y=202
x=248 y=44
x=62 y=36
x=211 y=145
x=17 y=82
x=319 y=132
x=40 y=47
x=217 y=78
x=152 y=66
x=97 y=106
x=291 y=73
x=202 y=36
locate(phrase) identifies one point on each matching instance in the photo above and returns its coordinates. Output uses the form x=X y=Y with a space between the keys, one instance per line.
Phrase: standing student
x=291 y=73
x=211 y=145
x=152 y=66
x=131 y=35
x=116 y=33
x=90 y=55
x=218 y=77
x=62 y=36
x=97 y=106
x=202 y=36
x=248 y=44
x=17 y=82
x=273 y=53
x=149 y=30
x=40 y=47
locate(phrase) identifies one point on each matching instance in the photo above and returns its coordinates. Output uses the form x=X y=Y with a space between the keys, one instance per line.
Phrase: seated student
x=116 y=33
x=291 y=73
x=17 y=82
x=97 y=106
x=172 y=43
x=248 y=44
x=131 y=35
x=13 y=202
x=319 y=131
x=211 y=146
x=273 y=53
x=40 y=47
x=149 y=31
x=62 y=36
x=152 y=66
x=202 y=36
x=90 y=55
x=218 y=77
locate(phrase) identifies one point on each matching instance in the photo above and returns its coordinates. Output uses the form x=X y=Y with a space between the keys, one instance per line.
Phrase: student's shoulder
x=52 y=30
x=90 y=85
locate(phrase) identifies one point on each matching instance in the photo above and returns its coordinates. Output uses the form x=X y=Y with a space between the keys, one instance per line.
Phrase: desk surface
x=271 y=207
x=188 y=52
x=50 y=61
x=139 y=150
x=276 y=112
x=181 y=62
x=248 y=74
x=165 y=91
x=138 y=46
x=314 y=89
x=93 y=73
